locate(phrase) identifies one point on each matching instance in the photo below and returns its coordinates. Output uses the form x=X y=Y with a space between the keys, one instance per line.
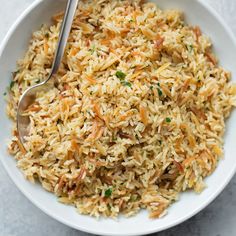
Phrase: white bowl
x=14 y=46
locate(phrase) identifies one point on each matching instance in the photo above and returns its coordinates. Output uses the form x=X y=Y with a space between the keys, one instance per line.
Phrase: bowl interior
x=196 y=13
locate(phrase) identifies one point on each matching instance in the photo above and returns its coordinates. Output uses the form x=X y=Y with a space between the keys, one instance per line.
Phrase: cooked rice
x=138 y=115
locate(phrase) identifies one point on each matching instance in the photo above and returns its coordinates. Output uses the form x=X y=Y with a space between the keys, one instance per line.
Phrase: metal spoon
x=28 y=97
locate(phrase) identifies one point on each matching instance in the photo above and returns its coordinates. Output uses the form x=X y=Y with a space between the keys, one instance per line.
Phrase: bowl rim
x=60 y=219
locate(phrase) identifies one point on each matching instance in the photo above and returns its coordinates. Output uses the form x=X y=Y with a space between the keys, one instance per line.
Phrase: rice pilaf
x=138 y=115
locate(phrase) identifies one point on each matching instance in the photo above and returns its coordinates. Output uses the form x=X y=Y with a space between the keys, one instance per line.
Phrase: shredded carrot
x=188 y=161
x=191 y=180
x=34 y=107
x=179 y=166
x=135 y=53
x=70 y=155
x=106 y=120
x=158 y=43
x=126 y=115
x=100 y=133
x=211 y=58
x=199 y=113
x=191 y=140
x=64 y=105
x=92 y=136
x=74 y=145
x=105 y=42
x=166 y=90
x=185 y=85
x=124 y=135
x=46 y=47
x=21 y=147
x=197 y=32
x=97 y=111
x=82 y=174
x=97 y=130
x=61 y=181
x=158 y=212
x=74 y=51
x=90 y=79
x=143 y=115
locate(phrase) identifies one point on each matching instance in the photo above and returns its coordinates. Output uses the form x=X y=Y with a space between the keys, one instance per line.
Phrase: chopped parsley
x=93 y=49
x=151 y=87
x=108 y=192
x=160 y=93
x=37 y=81
x=12 y=84
x=5 y=93
x=120 y=75
x=133 y=198
x=47 y=35
x=190 y=47
x=168 y=120
x=126 y=83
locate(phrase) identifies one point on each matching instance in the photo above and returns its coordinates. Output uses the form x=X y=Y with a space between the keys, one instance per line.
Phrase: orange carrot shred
x=143 y=115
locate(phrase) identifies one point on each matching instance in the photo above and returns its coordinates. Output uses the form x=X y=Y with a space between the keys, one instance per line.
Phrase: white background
x=18 y=217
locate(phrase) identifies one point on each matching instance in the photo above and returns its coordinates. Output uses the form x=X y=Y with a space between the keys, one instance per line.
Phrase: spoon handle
x=64 y=34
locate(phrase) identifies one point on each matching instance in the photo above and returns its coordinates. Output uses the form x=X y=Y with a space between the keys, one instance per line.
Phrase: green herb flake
x=5 y=93
x=12 y=84
x=158 y=84
x=114 y=139
x=109 y=207
x=133 y=198
x=120 y=75
x=168 y=120
x=37 y=81
x=93 y=49
x=131 y=20
x=47 y=35
x=108 y=192
x=160 y=93
x=151 y=87
x=126 y=83
x=190 y=47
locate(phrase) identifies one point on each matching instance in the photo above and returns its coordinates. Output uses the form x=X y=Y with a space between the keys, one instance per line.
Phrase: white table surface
x=18 y=217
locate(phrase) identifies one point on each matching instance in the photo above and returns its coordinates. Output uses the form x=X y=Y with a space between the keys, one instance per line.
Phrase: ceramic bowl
x=13 y=48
